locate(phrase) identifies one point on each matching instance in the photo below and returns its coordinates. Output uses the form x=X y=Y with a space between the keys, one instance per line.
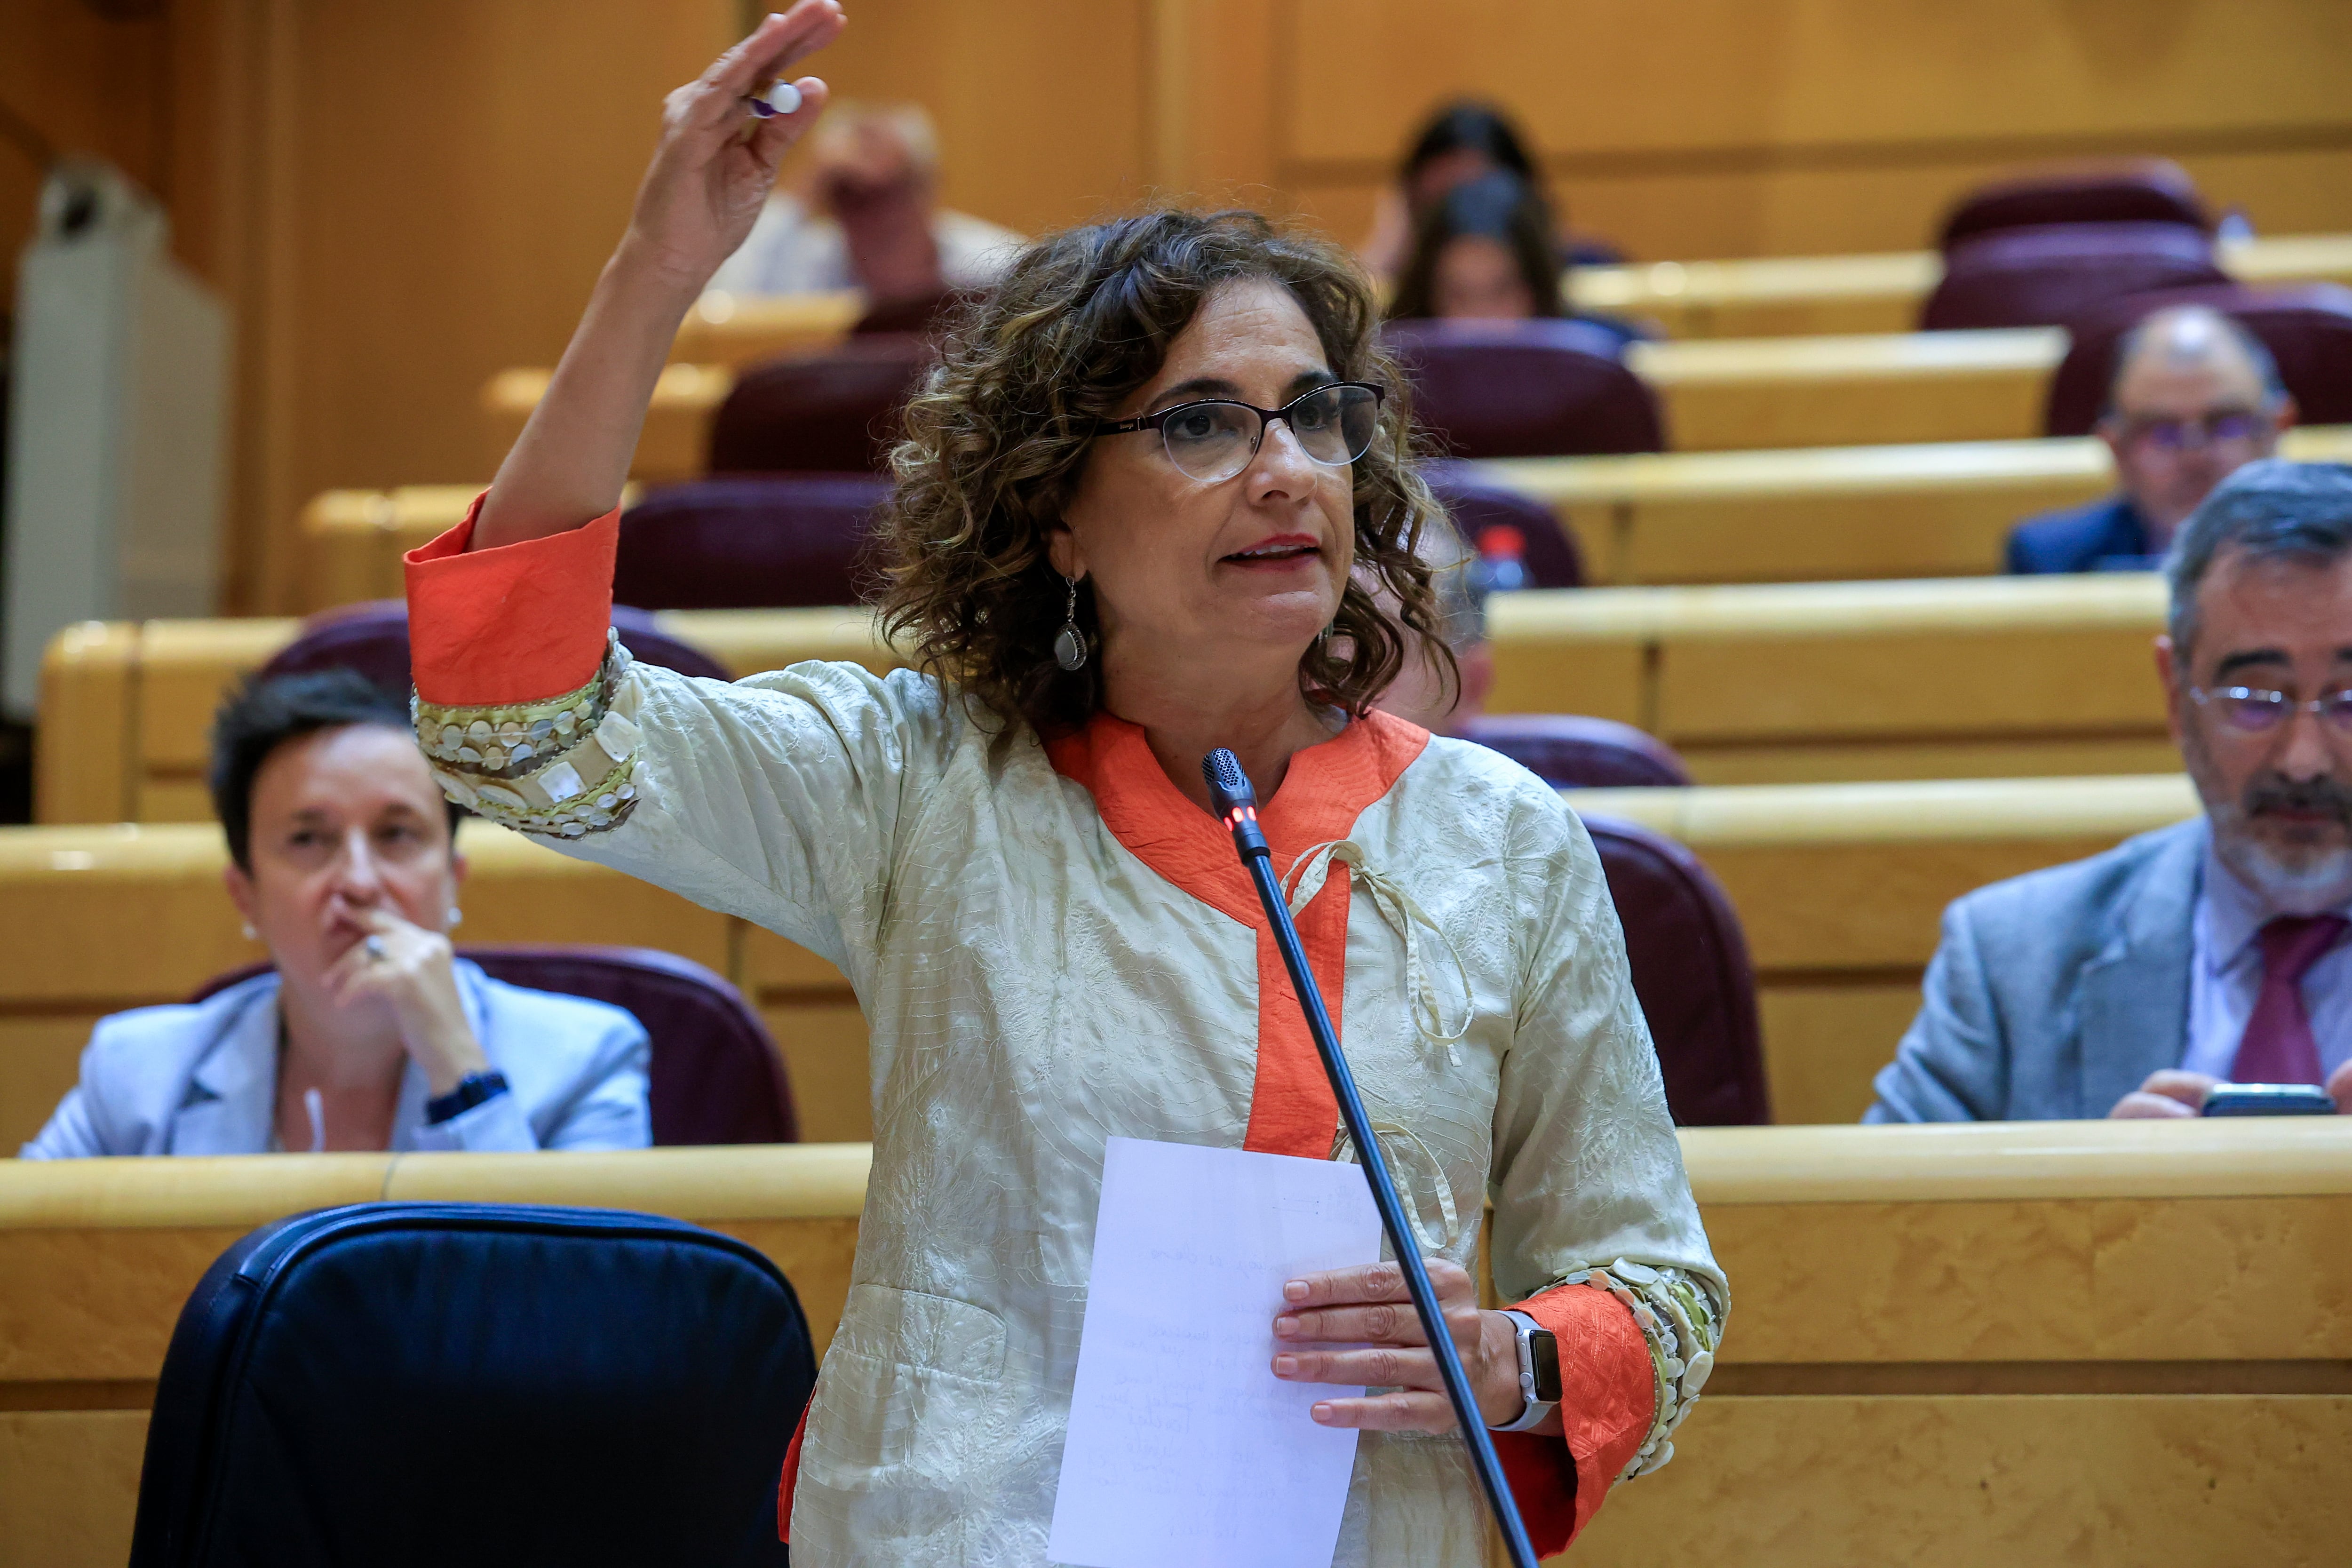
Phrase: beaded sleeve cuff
x=562 y=768
x=1683 y=1325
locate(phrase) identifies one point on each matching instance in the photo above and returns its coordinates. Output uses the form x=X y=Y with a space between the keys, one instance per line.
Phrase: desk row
x=2133 y=1329
x=1811 y=683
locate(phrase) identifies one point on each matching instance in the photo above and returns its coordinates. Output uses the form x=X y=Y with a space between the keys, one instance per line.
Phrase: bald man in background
x=2195 y=398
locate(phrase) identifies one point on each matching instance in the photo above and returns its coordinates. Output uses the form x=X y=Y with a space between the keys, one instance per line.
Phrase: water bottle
x=1501 y=566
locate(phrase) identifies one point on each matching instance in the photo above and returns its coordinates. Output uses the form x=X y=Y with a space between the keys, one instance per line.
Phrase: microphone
x=1237 y=808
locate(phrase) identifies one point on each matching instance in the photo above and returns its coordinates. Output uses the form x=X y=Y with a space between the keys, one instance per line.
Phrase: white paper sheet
x=1184 y=1449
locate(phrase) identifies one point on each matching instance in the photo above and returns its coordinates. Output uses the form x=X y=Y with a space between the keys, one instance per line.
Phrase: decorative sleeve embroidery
x=564 y=767
x=1683 y=1325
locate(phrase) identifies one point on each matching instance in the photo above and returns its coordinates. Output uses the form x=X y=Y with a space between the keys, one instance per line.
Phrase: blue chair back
x=476 y=1384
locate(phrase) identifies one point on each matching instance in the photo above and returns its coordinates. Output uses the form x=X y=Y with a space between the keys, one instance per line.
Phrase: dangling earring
x=1323 y=636
x=1069 y=643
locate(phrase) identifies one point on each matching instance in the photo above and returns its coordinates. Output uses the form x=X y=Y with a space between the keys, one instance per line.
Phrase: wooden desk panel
x=1940 y=508
x=1821 y=514
x=1753 y=683
x=1870 y=292
x=1839 y=889
x=1719 y=395
x=1737 y=393
x=2102 y=1342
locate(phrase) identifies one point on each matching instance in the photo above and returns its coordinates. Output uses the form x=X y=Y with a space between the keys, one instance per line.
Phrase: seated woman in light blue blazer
x=370 y=1034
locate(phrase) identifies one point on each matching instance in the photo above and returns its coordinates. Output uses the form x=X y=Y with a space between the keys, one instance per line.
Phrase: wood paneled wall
x=73 y=82
x=401 y=199
x=1694 y=128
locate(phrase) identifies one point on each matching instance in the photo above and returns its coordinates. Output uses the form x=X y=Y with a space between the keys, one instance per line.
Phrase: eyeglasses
x=2180 y=435
x=1214 y=439
x=2254 y=711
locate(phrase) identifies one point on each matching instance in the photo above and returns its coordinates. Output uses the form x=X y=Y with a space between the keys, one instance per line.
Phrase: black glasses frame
x=1266 y=417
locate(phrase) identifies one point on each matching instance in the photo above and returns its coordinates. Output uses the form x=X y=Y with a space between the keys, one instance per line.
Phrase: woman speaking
x=1157 y=499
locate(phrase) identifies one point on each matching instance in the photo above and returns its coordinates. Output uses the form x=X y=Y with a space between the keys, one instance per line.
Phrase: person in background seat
x=864 y=214
x=369 y=1033
x=1481 y=252
x=2195 y=397
x=1459 y=143
x=2132 y=983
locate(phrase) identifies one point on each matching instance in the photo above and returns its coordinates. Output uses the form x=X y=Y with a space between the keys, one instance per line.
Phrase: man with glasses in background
x=2215 y=951
x=2195 y=397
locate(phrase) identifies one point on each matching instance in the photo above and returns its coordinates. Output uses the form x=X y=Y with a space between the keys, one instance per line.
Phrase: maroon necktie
x=2279 y=1046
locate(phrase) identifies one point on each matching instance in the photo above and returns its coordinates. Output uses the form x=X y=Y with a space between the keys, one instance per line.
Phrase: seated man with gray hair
x=2132 y=983
x=2195 y=396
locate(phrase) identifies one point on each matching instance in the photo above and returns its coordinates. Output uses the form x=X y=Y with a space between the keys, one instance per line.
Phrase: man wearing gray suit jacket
x=2129 y=983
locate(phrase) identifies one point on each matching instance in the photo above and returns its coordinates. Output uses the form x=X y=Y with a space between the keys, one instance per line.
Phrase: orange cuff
x=1608 y=1394
x=522 y=623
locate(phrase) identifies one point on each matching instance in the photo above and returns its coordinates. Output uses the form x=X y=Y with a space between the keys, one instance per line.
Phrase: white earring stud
x=457 y=917
x=251 y=934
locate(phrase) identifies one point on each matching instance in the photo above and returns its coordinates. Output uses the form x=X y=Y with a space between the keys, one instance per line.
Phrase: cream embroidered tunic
x=1034 y=981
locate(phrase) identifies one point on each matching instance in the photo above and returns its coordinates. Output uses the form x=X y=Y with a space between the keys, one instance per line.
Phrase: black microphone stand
x=1237 y=805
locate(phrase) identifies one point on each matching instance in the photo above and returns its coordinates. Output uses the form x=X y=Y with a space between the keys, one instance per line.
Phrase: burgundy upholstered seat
x=2140 y=190
x=1690 y=972
x=2043 y=277
x=924 y=315
x=1525 y=389
x=715 y=1076
x=372 y=638
x=2308 y=327
x=1568 y=751
x=760 y=541
x=831 y=413
x=1476 y=504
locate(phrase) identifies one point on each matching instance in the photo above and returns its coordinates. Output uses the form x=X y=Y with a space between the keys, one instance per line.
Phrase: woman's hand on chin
x=407 y=970
x=710 y=173
x=1368 y=1314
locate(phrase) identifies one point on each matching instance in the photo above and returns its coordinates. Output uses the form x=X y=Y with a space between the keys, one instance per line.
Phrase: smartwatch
x=472 y=1091
x=1538 y=1372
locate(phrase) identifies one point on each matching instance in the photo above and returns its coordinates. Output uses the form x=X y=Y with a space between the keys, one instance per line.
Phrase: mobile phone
x=2269 y=1099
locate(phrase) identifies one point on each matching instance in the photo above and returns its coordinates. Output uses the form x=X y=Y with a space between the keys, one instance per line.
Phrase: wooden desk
x=97 y=919
x=1726 y=393
x=1825 y=514
x=97 y=1256
x=1819 y=514
x=2112 y=1343
x=1789 y=296
x=736 y=329
x=1761 y=297
x=1841 y=888
x=1754 y=684
x=1984 y=678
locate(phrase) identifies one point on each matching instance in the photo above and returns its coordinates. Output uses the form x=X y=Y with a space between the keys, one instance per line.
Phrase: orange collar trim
x=1327 y=787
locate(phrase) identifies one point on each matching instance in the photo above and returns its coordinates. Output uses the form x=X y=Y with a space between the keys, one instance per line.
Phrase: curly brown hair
x=997 y=438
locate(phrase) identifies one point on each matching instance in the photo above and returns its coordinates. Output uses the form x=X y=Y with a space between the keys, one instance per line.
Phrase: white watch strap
x=1533 y=1412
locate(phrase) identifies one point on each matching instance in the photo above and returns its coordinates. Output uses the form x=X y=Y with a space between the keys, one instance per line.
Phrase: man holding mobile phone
x=2143 y=981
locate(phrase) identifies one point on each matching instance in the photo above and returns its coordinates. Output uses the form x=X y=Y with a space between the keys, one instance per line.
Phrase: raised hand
x=715 y=166
x=700 y=194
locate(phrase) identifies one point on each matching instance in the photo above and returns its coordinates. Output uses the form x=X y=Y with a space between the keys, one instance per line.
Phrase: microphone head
x=1228 y=785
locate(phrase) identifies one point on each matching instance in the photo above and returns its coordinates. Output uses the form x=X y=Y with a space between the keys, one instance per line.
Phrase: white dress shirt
x=790 y=250
x=2225 y=978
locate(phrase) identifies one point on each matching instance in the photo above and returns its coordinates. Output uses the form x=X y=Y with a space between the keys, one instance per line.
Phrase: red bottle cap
x=1502 y=543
